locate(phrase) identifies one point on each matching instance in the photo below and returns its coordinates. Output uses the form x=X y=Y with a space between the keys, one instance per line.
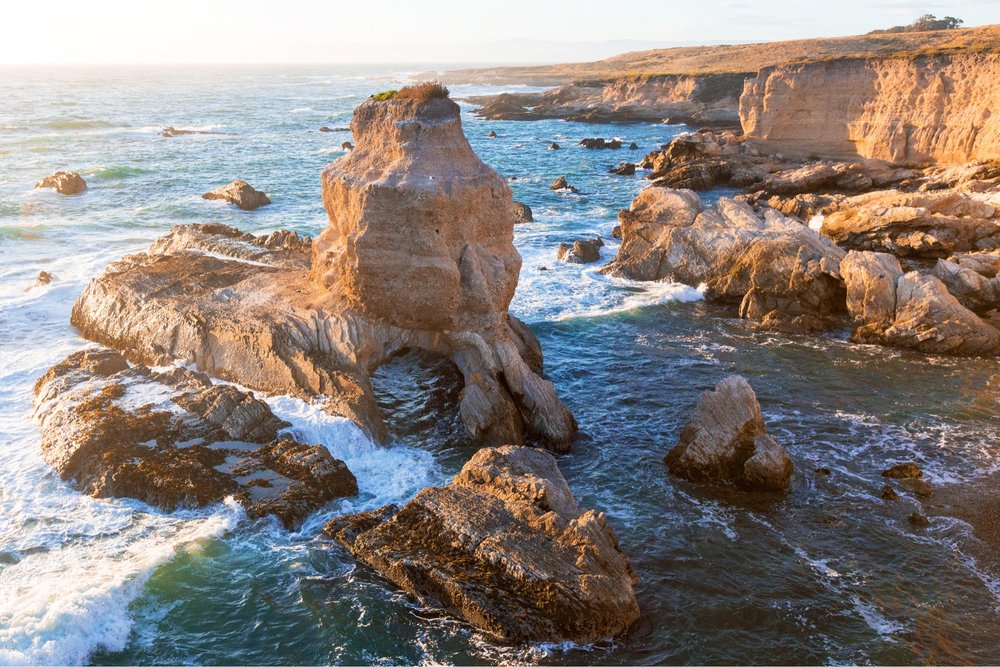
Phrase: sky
x=428 y=31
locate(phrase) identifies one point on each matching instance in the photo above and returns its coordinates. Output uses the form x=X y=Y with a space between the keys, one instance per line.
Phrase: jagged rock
x=522 y=213
x=561 y=184
x=553 y=146
x=633 y=146
x=616 y=231
x=784 y=275
x=64 y=182
x=581 y=252
x=928 y=225
x=240 y=193
x=419 y=256
x=599 y=143
x=903 y=471
x=505 y=547
x=623 y=169
x=492 y=134
x=910 y=310
x=173 y=439
x=726 y=442
x=888 y=493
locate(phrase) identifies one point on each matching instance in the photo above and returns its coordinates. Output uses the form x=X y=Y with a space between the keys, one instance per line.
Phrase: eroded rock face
x=505 y=547
x=910 y=310
x=419 y=255
x=726 y=442
x=783 y=275
x=173 y=439
x=64 y=182
x=240 y=193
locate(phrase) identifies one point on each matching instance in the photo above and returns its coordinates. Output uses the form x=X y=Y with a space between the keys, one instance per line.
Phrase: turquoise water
x=827 y=574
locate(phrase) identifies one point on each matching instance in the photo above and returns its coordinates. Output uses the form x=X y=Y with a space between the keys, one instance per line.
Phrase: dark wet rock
x=505 y=547
x=240 y=193
x=347 y=146
x=554 y=146
x=616 y=231
x=915 y=485
x=823 y=472
x=492 y=134
x=64 y=182
x=598 y=143
x=623 y=169
x=522 y=213
x=633 y=146
x=918 y=520
x=888 y=493
x=173 y=439
x=325 y=129
x=903 y=471
x=726 y=441
x=562 y=184
x=581 y=252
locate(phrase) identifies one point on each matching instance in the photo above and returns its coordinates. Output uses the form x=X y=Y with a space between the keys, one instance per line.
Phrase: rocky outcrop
x=419 y=255
x=914 y=224
x=240 y=193
x=598 y=143
x=710 y=99
x=522 y=213
x=783 y=275
x=506 y=547
x=726 y=441
x=910 y=310
x=908 y=109
x=562 y=184
x=623 y=169
x=173 y=439
x=64 y=182
x=586 y=251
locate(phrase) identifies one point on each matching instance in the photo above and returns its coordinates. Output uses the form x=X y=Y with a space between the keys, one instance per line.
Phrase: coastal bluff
x=934 y=108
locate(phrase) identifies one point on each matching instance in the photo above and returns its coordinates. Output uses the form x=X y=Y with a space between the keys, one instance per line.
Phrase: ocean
x=829 y=573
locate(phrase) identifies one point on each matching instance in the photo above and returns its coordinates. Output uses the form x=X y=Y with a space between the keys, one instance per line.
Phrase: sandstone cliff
x=419 y=255
x=709 y=99
x=909 y=109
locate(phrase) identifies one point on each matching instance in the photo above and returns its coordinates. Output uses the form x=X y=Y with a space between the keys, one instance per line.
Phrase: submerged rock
x=505 y=547
x=44 y=278
x=240 y=193
x=888 y=493
x=726 y=442
x=64 y=182
x=783 y=275
x=522 y=213
x=173 y=439
x=492 y=134
x=903 y=471
x=419 y=256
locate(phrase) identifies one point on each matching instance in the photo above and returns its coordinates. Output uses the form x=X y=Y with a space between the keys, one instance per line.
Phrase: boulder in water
x=726 y=442
x=623 y=169
x=522 y=213
x=506 y=547
x=562 y=184
x=586 y=251
x=64 y=182
x=240 y=193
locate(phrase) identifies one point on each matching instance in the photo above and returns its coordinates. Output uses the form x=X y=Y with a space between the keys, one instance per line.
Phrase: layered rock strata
x=506 y=547
x=419 y=255
x=174 y=439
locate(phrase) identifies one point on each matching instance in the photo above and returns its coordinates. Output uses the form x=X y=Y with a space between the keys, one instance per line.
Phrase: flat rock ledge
x=64 y=182
x=505 y=547
x=726 y=442
x=418 y=256
x=173 y=439
x=240 y=193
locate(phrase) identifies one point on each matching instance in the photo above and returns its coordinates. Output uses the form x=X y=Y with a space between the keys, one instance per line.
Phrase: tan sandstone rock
x=173 y=439
x=64 y=182
x=419 y=255
x=726 y=442
x=240 y=193
x=783 y=275
x=505 y=547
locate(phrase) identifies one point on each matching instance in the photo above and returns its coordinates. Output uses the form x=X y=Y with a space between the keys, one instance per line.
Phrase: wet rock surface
x=726 y=441
x=174 y=439
x=506 y=547
x=586 y=251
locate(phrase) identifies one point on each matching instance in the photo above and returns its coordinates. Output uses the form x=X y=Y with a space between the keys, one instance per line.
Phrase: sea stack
x=419 y=255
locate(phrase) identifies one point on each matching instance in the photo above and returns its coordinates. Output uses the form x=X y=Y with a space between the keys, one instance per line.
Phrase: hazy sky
x=433 y=31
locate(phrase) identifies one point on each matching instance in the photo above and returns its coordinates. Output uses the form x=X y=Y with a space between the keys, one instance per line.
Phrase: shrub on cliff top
x=420 y=92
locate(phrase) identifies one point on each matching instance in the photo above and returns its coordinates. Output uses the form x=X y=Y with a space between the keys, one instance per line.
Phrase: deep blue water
x=828 y=573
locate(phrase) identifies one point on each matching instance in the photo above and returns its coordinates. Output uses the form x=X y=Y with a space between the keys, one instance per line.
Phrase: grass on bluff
x=420 y=92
